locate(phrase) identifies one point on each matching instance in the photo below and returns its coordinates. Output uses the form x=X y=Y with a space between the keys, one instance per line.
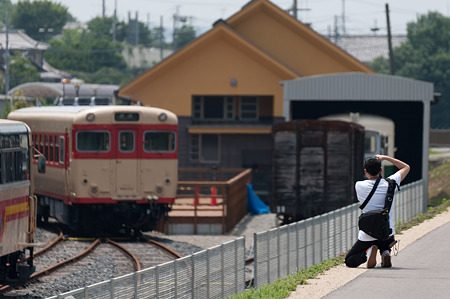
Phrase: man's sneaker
x=386 y=259
x=371 y=254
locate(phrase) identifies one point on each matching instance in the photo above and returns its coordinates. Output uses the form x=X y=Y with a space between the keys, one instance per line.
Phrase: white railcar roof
x=12 y=126
x=78 y=113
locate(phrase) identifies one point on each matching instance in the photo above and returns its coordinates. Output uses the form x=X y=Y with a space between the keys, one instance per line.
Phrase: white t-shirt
x=363 y=189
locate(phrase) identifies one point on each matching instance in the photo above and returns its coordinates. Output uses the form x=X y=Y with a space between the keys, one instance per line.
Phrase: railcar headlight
x=162 y=117
x=90 y=116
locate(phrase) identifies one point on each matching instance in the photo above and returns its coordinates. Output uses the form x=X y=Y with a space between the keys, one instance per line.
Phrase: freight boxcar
x=315 y=166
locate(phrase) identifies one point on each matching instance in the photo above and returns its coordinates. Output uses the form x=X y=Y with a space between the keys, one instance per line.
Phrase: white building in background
x=366 y=48
x=141 y=57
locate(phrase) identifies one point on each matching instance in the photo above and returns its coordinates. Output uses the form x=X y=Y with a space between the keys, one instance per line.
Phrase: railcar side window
x=61 y=150
x=159 y=141
x=93 y=141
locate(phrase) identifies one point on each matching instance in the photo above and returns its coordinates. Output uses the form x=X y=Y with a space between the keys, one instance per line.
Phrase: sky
x=359 y=15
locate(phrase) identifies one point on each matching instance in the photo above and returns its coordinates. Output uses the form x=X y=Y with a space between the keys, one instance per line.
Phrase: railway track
x=89 y=261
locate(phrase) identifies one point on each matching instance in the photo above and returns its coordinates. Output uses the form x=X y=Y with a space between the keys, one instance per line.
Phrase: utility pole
x=343 y=17
x=103 y=9
x=391 y=55
x=161 y=38
x=294 y=8
x=176 y=18
x=336 y=29
x=7 y=61
x=114 y=21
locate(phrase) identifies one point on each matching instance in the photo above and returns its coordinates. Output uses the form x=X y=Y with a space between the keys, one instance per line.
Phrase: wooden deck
x=205 y=206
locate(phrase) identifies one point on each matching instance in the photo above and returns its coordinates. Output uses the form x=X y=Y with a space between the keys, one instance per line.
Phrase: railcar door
x=127 y=164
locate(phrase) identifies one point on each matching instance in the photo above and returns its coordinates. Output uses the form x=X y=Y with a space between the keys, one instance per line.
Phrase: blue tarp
x=254 y=203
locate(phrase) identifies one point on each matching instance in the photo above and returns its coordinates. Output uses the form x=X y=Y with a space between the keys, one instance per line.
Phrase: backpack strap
x=371 y=193
x=390 y=194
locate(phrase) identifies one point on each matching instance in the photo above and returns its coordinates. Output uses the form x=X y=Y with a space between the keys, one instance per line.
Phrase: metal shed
x=406 y=101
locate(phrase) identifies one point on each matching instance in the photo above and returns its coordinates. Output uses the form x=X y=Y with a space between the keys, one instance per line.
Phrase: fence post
x=157 y=281
x=222 y=265
x=255 y=260
x=278 y=254
x=193 y=275
x=208 y=273
x=175 y=277
x=288 y=250
x=297 y=245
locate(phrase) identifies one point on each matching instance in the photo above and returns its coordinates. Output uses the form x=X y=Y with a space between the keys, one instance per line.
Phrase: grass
x=282 y=288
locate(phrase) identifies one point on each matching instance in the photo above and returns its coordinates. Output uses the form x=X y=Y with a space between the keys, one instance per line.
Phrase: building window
x=205 y=148
x=213 y=107
x=249 y=108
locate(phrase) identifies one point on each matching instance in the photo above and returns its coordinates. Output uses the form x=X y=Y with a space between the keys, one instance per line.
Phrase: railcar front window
x=93 y=141
x=370 y=144
x=159 y=141
x=13 y=158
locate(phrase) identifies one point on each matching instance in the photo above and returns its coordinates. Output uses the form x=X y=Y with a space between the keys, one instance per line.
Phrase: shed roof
x=357 y=87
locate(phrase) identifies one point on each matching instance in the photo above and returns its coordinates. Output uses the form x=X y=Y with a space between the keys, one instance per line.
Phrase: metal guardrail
x=220 y=271
x=288 y=249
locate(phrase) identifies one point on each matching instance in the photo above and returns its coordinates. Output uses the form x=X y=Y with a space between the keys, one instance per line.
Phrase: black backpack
x=375 y=223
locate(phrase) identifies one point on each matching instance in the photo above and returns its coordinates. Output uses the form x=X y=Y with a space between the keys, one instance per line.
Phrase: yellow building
x=225 y=85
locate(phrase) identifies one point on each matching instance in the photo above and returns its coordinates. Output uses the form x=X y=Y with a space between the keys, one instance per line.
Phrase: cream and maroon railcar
x=108 y=168
x=17 y=204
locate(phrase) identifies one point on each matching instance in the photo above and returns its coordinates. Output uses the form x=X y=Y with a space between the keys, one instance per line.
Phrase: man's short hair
x=372 y=165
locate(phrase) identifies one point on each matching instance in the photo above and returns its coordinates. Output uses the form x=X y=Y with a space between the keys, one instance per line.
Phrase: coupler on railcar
x=12 y=271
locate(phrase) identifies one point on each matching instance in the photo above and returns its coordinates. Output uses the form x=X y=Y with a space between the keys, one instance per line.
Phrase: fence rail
x=219 y=271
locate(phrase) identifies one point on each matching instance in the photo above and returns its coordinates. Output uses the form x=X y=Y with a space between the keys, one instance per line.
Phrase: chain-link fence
x=219 y=272
x=288 y=249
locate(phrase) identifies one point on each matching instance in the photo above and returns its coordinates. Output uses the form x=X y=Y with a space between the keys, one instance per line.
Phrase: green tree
x=184 y=35
x=40 y=19
x=80 y=51
x=5 y=6
x=159 y=39
x=21 y=70
x=107 y=75
x=426 y=56
x=103 y=27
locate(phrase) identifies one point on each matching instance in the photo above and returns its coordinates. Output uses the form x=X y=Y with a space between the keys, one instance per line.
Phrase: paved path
x=421 y=270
